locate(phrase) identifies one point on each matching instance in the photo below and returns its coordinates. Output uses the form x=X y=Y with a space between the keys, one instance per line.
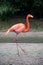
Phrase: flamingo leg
x=18 y=46
x=23 y=51
x=17 y=49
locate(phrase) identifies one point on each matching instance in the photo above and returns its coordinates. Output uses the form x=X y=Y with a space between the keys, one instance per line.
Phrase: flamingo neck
x=28 y=24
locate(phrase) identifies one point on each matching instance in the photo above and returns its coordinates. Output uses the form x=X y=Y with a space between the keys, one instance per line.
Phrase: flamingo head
x=30 y=16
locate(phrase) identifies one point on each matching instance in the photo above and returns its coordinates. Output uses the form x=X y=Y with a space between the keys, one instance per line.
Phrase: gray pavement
x=32 y=55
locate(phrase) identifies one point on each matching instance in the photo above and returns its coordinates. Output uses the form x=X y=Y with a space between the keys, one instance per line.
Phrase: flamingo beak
x=32 y=16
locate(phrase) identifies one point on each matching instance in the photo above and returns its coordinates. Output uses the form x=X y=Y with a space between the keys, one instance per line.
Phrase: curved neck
x=27 y=23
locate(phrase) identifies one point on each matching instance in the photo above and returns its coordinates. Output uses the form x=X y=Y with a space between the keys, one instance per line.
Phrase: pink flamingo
x=20 y=27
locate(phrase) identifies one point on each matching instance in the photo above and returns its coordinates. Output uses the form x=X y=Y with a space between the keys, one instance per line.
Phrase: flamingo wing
x=18 y=27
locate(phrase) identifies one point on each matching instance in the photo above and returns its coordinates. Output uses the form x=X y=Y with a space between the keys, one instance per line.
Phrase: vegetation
x=11 y=8
x=36 y=24
x=20 y=8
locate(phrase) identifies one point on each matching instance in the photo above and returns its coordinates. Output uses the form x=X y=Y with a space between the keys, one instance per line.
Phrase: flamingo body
x=20 y=27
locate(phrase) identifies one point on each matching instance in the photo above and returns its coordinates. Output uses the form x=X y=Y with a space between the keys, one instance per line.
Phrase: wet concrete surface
x=32 y=54
x=28 y=37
